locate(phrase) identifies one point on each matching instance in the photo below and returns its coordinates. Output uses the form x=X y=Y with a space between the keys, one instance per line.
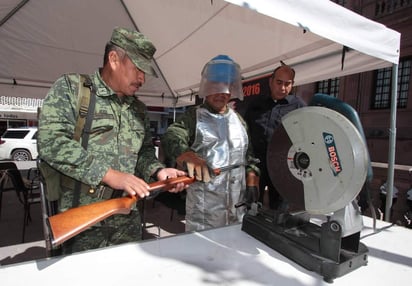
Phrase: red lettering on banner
x=251 y=89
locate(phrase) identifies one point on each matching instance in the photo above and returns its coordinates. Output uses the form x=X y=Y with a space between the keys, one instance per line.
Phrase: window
x=330 y=86
x=382 y=99
x=17 y=134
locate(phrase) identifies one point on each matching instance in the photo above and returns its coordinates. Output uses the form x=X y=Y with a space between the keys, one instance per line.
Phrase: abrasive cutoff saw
x=318 y=161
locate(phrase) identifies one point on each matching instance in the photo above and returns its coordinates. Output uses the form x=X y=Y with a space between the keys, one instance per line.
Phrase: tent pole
x=12 y=12
x=392 y=144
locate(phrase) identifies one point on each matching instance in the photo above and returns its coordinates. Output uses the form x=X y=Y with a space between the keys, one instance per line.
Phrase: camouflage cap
x=139 y=48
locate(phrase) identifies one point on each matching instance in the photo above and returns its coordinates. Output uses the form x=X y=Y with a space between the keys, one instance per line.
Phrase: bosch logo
x=328 y=139
x=334 y=159
x=332 y=152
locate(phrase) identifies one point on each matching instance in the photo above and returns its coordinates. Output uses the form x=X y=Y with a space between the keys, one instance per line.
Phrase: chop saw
x=318 y=162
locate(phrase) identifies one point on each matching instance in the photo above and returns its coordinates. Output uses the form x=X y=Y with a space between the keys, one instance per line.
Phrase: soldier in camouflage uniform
x=119 y=158
x=213 y=136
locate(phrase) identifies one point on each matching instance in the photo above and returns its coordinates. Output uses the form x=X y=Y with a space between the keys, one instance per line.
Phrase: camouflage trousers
x=114 y=230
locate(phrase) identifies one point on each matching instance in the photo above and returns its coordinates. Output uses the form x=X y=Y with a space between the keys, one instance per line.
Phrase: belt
x=104 y=192
x=101 y=191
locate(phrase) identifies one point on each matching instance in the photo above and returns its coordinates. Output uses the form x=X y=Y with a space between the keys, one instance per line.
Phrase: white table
x=224 y=256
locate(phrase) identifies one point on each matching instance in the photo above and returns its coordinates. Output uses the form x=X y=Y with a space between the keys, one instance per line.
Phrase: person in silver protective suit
x=211 y=141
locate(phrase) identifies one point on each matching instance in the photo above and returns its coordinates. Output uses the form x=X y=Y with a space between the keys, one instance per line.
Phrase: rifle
x=67 y=224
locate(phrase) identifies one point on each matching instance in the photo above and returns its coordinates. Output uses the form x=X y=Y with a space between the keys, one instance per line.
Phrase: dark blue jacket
x=263 y=117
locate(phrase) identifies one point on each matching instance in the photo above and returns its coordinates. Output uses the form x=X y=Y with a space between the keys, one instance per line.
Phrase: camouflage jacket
x=119 y=138
x=180 y=136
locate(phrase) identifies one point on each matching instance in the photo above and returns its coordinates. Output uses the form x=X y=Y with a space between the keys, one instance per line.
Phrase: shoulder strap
x=85 y=106
x=89 y=113
x=83 y=103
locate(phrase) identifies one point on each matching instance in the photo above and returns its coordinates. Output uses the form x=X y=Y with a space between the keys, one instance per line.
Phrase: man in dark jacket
x=264 y=117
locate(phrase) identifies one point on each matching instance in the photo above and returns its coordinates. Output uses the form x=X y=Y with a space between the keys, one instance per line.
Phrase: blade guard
x=317 y=160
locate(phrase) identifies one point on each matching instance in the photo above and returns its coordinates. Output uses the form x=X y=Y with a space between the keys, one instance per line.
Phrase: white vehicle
x=19 y=144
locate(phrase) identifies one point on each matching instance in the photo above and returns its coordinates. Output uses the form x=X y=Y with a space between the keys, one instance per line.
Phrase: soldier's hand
x=168 y=173
x=194 y=165
x=129 y=183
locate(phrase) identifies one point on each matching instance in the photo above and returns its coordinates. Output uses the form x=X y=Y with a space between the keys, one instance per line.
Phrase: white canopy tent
x=42 y=39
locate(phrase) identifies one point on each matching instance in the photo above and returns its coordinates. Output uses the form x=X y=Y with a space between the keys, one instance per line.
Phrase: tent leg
x=392 y=143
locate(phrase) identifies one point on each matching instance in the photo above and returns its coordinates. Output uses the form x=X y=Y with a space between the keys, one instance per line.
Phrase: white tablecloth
x=224 y=256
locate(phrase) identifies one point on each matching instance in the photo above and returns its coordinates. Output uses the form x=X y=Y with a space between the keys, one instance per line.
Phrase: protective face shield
x=221 y=75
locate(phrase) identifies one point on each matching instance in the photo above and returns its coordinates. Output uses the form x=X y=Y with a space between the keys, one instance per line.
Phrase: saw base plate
x=320 y=249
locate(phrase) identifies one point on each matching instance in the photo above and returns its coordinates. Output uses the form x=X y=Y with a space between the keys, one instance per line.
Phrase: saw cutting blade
x=317 y=160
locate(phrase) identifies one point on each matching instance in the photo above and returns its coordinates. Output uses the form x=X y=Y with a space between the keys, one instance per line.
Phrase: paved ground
x=160 y=221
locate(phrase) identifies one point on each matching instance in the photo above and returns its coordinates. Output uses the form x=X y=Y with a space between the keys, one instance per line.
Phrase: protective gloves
x=252 y=189
x=194 y=165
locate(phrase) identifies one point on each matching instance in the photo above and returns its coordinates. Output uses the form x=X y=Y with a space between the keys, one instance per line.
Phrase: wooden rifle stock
x=65 y=225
